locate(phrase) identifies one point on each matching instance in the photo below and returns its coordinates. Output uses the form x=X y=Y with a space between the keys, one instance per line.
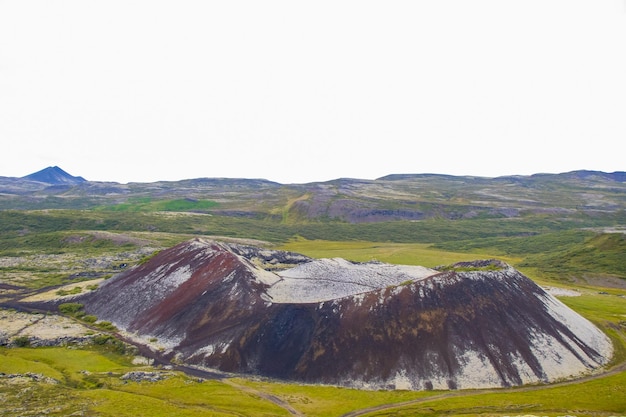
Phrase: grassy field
x=148 y=204
x=321 y=401
x=602 y=397
x=558 y=256
x=397 y=253
x=89 y=381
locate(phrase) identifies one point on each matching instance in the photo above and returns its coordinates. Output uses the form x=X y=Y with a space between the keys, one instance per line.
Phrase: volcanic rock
x=368 y=325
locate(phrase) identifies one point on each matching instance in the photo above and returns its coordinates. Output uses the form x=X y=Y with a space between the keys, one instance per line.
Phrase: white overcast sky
x=296 y=91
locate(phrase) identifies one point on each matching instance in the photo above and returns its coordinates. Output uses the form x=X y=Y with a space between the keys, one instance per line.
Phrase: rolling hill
x=577 y=196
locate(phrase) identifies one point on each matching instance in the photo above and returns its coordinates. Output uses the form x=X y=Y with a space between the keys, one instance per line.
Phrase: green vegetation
x=490 y=267
x=106 y=326
x=49 y=230
x=89 y=318
x=603 y=397
x=76 y=310
x=557 y=256
x=73 y=291
x=21 y=341
x=148 y=204
x=326 y=401
x=71 y=309
x=88 y=381
x=396 y=253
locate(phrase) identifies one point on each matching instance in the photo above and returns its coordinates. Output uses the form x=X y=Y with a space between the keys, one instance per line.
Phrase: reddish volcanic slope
x=237 y=309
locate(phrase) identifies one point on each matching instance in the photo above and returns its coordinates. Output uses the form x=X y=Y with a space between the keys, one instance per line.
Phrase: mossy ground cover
x=148 y=204
x=62 y=363
x=600 y=306
x=558 y=256
x=327 y=401
x=212 y=396
x=88 y=380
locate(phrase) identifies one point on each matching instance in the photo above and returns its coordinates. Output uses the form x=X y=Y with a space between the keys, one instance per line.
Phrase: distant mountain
x=54 y=176
x=368 y=325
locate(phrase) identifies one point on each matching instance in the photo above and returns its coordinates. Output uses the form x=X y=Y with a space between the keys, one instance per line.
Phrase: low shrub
x=21 y=341
x=89 y=318
x=70 y=308
x=73 y=291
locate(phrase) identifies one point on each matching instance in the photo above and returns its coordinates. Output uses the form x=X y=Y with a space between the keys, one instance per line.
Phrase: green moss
x=21 y=341
x=603 y=396
x=70 y=308
x=89 y=318
x=106 y=326
x=73 y=291
x=391 y=252
x=146 y=204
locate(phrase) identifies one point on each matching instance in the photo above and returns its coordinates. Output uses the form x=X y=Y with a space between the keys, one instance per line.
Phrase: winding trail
x=269 y=397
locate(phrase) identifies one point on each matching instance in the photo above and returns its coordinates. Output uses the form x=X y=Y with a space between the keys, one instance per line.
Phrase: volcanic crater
x=244 y=309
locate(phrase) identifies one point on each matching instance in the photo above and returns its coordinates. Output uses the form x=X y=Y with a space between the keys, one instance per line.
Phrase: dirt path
x=269 y=397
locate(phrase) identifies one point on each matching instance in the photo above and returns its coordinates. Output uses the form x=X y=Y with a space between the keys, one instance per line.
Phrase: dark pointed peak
x=54 y=176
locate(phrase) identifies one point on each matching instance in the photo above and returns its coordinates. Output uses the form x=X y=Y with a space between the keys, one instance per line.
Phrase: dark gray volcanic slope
x=54 y=176
x=478 y=325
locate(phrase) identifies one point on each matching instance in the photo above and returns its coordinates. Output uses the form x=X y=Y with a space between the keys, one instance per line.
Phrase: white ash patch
x=584 y=330
x=475 y=371
x=358 y=299
x=208 y=350
x=556 y=360
x=260 y=274
x=175 y=278
x=402 y=381
x=160 y=344
x=157 y=286
x=266 y=277
x=525 y=372
x=328 y=279
x=312 y=291
x=562 y=292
